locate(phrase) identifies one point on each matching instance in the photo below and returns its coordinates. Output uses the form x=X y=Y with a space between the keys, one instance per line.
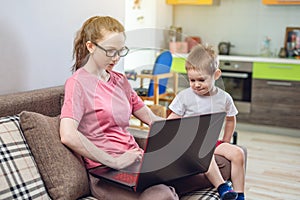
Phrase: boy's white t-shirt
x=187 y=103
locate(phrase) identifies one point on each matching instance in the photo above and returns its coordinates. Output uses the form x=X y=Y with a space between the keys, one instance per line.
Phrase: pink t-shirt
x=102 y=109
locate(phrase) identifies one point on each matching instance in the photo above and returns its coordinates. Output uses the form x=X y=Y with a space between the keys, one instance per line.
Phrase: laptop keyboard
x=127 y=178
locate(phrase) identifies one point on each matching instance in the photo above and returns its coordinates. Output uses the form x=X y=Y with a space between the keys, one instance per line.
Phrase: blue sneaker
x=229 y=195
x=226 y=192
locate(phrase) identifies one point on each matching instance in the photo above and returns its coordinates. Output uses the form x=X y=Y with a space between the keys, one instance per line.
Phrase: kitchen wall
x=244 y=23
x=36 y=39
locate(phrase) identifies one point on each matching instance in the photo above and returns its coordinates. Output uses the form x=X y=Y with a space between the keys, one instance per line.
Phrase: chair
x=157 y=90
x=158 y=110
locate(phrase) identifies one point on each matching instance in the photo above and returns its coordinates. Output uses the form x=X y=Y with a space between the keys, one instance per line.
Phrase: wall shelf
x=193 y=2
x=281 y=2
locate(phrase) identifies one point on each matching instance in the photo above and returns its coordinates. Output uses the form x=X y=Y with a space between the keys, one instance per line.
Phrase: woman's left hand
x=128 y=158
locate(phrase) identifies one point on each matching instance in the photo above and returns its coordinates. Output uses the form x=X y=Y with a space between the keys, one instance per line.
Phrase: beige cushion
x=64 y=175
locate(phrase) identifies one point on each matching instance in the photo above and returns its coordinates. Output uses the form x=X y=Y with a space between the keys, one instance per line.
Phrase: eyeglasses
x=113 y=52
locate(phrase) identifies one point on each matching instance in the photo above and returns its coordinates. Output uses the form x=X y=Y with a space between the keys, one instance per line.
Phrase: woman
x=97 y=107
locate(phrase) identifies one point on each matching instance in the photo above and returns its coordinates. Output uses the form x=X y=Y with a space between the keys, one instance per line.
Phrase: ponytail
x=80 y=51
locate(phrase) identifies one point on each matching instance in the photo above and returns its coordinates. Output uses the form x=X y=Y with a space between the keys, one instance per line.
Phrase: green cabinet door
x=178 y=65
x=276 y=71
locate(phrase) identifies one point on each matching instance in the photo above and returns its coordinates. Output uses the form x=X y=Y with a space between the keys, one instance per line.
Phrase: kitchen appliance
x=224 y=48
x=237 y=81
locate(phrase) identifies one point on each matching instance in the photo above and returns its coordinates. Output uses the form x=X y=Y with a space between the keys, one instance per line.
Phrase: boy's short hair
x=202 y=58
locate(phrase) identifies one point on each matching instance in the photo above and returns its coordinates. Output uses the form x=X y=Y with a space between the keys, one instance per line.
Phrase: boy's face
x=201 y=82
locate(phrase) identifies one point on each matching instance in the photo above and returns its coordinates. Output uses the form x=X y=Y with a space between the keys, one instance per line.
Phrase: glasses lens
x=111 y=53
x=123 y=52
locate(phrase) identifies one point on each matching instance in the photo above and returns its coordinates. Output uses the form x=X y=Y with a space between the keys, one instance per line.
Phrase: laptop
x=175 y=148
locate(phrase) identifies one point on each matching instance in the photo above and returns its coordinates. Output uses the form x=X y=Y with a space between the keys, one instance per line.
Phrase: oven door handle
x=235 y=75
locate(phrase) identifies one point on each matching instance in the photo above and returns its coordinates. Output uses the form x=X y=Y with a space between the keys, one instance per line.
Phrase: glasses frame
x=117 y=52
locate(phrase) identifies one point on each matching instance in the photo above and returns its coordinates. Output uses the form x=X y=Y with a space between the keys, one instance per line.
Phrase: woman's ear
x=90 y=47
x=217 y=74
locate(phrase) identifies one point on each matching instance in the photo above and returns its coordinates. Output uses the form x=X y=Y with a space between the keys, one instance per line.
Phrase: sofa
x=36 y=165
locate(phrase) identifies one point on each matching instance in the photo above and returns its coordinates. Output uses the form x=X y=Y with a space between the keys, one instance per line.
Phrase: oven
x=237 y=81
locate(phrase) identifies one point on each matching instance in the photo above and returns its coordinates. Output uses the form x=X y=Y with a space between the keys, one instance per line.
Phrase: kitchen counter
x=259 y=59
x=250 y=59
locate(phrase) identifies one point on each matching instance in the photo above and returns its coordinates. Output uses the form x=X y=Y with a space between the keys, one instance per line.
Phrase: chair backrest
x=158 y=110
x=162 y=65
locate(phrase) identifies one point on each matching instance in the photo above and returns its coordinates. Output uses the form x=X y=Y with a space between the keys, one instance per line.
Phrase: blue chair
x=162 y=65
x=159 y=80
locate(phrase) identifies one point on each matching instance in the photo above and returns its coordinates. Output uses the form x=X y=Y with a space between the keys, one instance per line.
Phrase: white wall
x=146 y=33
x=36 y=39
x=244 y=23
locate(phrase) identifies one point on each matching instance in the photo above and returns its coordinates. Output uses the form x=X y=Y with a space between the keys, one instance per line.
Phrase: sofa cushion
x=207 y=194
x=88 y=198
x=64 y=174
x=19 y=176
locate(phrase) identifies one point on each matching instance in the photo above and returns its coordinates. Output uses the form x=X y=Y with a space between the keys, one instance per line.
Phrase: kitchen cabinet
x=193 y=2
x=178 y=65
x=281 y=2
x=276 y=71
x=276 y=94
x=276 y=103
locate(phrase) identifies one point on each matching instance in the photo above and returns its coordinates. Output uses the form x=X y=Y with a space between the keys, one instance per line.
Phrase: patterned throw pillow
x=19 y=176
x=204 y=194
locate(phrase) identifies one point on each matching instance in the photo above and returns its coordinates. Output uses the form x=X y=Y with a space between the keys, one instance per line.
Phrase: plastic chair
x=161 y=72
x=162 y=65
x=158 y=110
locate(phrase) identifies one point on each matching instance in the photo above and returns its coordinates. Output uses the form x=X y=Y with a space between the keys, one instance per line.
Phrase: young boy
x=203 y=97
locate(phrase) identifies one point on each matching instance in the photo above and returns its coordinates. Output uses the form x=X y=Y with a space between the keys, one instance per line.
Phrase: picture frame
x=292 y=42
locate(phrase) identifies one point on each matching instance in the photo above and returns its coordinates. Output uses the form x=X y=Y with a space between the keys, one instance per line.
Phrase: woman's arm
x=76 y=141
x=146 y=115
x=230 y=123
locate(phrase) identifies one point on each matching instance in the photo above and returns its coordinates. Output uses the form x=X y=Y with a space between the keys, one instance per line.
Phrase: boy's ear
x=217 y=74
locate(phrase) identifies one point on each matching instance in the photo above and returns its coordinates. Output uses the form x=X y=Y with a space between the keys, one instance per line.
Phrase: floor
x=273 y=166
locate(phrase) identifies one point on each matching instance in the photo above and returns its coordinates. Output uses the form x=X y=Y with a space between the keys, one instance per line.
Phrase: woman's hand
x=128 y=158
x=76 y=141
